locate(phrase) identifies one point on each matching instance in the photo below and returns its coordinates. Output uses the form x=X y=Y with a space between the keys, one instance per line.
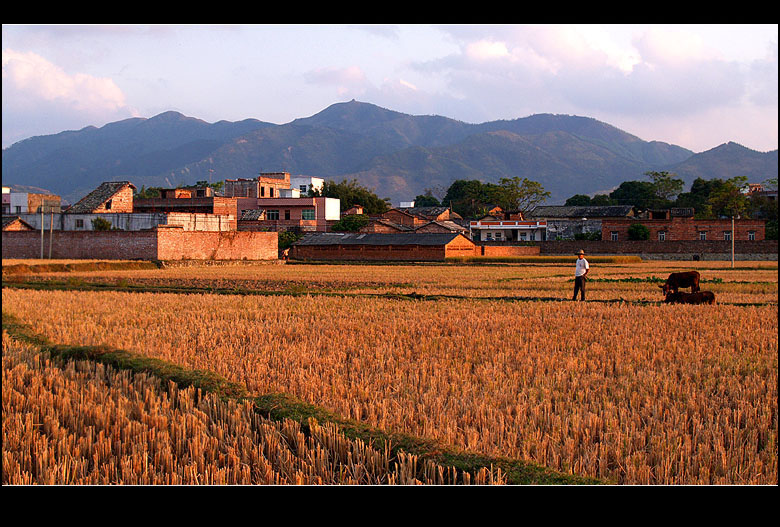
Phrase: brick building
x=281 y=214
x=686 y=228
x=266 y=185
x=110 y=197
x=162 y=243
x=29 y=202
x=15 y=223
x=383 y=247
x=566 y=222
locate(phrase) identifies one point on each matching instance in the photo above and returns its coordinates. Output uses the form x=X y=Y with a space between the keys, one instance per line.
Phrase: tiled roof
x=98 y=196
x=8 y=220
x=605 y=211
x=411 y=238
x=391 y=224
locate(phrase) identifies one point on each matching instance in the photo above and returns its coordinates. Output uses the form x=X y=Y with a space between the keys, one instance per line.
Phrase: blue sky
x=694 y=86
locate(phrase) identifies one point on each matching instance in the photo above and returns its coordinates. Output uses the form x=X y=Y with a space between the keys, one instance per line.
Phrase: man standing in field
x=579 y=275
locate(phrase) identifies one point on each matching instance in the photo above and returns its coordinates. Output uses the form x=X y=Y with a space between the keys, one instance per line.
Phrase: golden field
x=83 y=423
x=623 y=388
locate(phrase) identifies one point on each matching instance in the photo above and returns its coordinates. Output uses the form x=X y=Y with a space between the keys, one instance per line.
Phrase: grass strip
x=279 y=406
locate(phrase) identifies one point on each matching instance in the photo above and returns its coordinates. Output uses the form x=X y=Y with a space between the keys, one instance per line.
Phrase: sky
x=695 y=86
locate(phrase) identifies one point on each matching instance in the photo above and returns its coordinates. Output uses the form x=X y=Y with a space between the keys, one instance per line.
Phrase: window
x=751 y=235
x=262 y=192
x=498 y=236
x=79 y=224
x=272 y=214
x=523 y=235
x=661 y=236
x=18 y=208
x=108 y=205
x=303 y=188
x=703 y=235
x=532 y=236
x=287 y=214
x=613 y=236
x=270 y=192
x=727 y=235
x=307 y=214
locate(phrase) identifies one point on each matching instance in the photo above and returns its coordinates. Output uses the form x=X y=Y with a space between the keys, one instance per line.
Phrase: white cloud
x=37 y=91
x=33 y=77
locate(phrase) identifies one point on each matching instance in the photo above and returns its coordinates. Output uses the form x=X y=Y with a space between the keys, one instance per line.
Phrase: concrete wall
x=158 y=244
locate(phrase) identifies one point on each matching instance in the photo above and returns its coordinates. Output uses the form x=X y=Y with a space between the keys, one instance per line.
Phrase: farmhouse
x=169 y=230
x=685 y=227
x=410 y=246
x=15 y=223
x=565 y=222
x=110 y=197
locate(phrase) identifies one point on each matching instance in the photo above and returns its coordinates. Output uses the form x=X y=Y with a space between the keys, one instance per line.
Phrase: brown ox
x=699 y=297
x=678 y=280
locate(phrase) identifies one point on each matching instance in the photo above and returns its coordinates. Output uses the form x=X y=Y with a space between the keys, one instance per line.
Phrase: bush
x=637 y=231
x=350 y=223
x=100 y=224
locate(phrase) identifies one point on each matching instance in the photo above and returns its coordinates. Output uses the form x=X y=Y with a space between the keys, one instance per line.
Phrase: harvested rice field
x=491 y=362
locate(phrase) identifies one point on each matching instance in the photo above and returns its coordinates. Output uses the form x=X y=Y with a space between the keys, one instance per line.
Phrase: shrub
x=637 y=231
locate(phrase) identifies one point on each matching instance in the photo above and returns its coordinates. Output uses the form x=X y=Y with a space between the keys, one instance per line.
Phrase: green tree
x=601 y=200
x=520 y=194
x=469 y=197
x=426 y=200
x=578 y=200
x=350 y=193
x=729 y=199
x=637 y=231
x=666 y=185
x=100 y=224
x=350 y=223
x=639 y=194
x=698 y=197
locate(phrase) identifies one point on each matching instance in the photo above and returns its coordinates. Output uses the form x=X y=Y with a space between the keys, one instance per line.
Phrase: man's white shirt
x=582 y=266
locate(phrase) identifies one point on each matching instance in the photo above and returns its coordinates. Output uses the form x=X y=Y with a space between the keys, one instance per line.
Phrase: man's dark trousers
x=579 y=286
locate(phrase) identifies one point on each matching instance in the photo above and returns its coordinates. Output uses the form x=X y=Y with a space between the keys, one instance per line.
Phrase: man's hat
x=581 y=252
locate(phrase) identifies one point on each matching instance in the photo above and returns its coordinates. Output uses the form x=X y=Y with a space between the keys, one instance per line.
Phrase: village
x=243 y=220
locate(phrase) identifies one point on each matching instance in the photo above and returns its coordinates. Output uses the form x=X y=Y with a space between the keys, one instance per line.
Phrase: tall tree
x=521 y=194
x=350 y=193
x=730 y=199
x=667 y=186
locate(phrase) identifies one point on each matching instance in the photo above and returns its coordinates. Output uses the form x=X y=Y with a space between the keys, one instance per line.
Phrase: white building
x=303 y=183
x=494 y=229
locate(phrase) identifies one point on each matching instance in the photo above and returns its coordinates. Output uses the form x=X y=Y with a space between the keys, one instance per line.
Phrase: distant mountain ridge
x=396 y=154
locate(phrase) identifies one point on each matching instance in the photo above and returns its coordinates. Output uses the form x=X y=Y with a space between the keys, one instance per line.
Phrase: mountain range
x=397 y=155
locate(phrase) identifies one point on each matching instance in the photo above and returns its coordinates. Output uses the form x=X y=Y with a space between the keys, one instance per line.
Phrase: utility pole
x=732 y=242
x=41 y=231
x=51 y=230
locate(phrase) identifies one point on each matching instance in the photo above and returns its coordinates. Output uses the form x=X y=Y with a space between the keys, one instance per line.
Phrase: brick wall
x=509 y=250
x=670 y=249
x=109 y=245
x=687 y=228
x=370 y=252
x=178 y=244
x=158 y=244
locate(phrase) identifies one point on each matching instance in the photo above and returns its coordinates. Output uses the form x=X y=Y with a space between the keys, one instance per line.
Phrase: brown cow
x=699 y=297
x=678 y=280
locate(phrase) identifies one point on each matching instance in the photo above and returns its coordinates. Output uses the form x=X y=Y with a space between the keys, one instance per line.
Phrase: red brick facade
x=122 y=201
x=158 y=244
x=686 y=229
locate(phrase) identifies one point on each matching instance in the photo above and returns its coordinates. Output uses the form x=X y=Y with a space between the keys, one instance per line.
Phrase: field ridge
x=280 y=406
